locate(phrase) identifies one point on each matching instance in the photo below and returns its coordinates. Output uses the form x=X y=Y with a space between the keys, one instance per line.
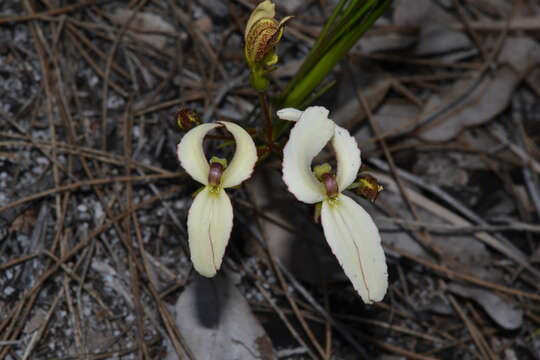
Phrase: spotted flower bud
x=263 y=33
x=187 y=118
x=368 y=187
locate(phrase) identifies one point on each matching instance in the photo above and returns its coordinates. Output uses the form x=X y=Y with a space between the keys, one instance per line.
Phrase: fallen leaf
x=350 y=112
x=217 y=8
x=407 y=15
x=440 y=39
x=504 y=247
x=505 y=314
x=484 y=101
x=217 y=323
x=394 y=118
x=461 y=251
x=145 y=22
x=372 y=43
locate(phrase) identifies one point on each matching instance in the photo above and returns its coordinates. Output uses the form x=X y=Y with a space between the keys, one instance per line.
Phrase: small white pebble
x=9 y=290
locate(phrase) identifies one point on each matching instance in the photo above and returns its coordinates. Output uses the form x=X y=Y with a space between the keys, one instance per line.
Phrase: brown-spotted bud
x=262 y=34
x=187 y=118
x=368 y=187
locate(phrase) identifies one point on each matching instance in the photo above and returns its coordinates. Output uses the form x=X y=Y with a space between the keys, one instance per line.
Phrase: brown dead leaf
x=422 y=12
x=476 y=254
x=350 y=112
x=204 y=24
x=394 y=118
x=460 y=250
x=37 y=320
x=484 y=101
x=372 y=43
x=505 y=314
x=440 y=39
x=217 y=323
x=145 y=22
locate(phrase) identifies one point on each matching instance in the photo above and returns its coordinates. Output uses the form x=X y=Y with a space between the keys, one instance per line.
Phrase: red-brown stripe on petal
x=259 y=38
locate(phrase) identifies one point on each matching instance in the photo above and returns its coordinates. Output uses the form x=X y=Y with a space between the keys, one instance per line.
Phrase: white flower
x=348 y=228
x=210 y=218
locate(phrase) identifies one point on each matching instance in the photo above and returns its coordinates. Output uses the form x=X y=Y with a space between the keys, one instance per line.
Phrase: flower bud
x=368 y=187
x=262 y=39
x=263 y=33
x=187 y=118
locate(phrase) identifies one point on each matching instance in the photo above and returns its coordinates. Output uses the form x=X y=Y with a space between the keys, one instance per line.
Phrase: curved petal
x=356 y=243
x=244 y=159
x=264 y=10
x=210 y=221
x=290 y=114
x=191 y=154
x=307 y=138
x=348 y=157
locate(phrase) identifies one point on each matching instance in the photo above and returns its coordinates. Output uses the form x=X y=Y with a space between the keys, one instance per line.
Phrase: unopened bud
x=368 y=187
x=263 y=33
x=187 y=118
x=262 y=39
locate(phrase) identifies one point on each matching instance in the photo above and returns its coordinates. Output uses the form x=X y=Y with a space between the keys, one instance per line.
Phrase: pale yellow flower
x=210 y=218
x=348 y=228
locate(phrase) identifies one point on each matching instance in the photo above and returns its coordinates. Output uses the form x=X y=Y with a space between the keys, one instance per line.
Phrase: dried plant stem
x=267 y=113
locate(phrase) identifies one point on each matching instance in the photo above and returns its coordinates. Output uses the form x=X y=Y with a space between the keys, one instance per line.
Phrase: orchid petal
x=210 y=221
x=263 y=10
x=348 y=157
x=290 y=114
x=191 y=153
x=356 y=243
x=244 y=159
x=307 y=138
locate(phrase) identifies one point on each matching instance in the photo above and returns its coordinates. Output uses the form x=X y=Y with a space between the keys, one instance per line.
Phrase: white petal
x=244 y=159
x=290 y=114
x=355 y=241
x=191 y=154
x=210 y=221
x=348 y=157
x=308 y=137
